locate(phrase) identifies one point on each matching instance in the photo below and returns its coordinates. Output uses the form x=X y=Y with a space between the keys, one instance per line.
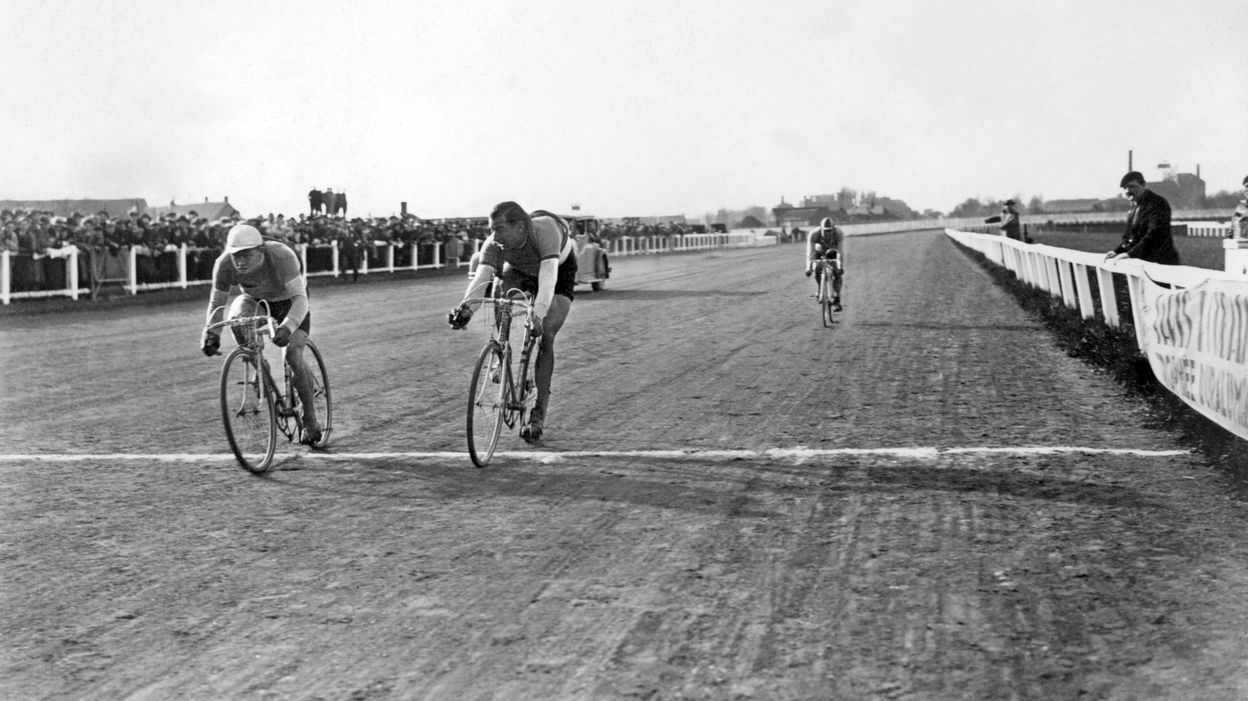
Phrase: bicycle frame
x=255 y=328
x=828 y=268
x=253 y=417
x=505 y=310
x=827 y=271
x=501 y=392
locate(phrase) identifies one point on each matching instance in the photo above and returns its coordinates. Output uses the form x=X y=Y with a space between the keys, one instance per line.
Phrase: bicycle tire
x=825 y=298
x=248 y=412
x=526 y=395
x=487 y=398
x=322 y=399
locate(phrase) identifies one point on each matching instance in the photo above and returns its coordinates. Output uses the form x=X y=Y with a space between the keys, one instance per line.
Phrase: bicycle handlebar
x=268 y=322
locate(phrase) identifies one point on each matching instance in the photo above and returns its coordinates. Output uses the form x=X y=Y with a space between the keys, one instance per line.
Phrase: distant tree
x=1035 y=205
x=1223 y=199
x=970 y=207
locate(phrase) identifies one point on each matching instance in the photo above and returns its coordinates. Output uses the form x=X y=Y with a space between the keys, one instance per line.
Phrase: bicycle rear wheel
x=525 y=377
x=323 y=404
x=487 y=398
x=248 y=411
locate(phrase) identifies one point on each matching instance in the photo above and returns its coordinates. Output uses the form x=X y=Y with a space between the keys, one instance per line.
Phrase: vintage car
x=592 y=264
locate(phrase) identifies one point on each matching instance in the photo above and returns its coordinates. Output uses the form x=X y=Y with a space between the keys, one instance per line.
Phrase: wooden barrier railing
x=1191 y=323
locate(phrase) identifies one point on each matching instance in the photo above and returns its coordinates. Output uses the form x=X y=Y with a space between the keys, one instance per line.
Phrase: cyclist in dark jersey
x=536 y=254
x=270 y=271
x=827 y=242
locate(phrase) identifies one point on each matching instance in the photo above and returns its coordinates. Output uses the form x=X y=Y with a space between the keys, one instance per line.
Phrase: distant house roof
x=803 y=215
x=208 y=210
x=65 y=208
x=1076 y=205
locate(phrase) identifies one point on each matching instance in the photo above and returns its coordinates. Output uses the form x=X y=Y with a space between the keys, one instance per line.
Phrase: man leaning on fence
x=1147 y=235
x=1008 y=221
x=1239 y=221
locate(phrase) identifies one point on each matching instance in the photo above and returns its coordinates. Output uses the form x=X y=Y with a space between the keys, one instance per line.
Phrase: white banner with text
x=1196 y=340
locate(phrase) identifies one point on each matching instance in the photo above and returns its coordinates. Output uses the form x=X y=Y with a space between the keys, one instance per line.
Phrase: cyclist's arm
x=298 y=291
x=478 y=283
x=220 y=293
x=294 y=285
x=547 y=274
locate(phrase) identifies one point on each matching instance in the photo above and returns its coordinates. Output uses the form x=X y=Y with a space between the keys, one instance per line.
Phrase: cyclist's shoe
x=836 y=304
x=531 y=432
x=310 y=436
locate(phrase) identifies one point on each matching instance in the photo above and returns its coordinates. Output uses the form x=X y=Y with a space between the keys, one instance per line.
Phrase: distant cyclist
x=536 y=254
x=827 y=242
x=269 y=271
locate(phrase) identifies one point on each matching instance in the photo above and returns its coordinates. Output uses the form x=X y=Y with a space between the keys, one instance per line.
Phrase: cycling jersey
x=278 y=279
x=549 y=238
x=830 y=241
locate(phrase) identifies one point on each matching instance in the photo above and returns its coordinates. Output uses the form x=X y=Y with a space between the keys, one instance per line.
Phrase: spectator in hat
x=316 y=200
x=329 y=200
x=1008 y=222
x=1239 y=221
x=1147 y=235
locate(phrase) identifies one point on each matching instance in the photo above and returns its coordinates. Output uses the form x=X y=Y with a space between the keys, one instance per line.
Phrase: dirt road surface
x=929 y=501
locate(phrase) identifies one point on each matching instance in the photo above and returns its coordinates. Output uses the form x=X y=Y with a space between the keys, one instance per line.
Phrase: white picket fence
x=327 y=260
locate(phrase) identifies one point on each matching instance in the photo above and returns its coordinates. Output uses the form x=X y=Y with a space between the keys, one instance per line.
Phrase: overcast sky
x=626 y=108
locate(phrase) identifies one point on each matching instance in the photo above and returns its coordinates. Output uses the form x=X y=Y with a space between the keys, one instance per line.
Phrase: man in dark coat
x=1147 y=236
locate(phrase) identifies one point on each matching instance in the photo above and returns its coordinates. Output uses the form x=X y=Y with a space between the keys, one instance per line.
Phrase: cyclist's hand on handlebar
x=459 y=316
x=210 y=343
x=535 y=328
x=281 y=337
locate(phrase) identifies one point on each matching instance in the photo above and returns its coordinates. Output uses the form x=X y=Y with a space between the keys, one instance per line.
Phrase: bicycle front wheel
x=322 y=402
x=825 y=299
x=487 y=400
x=248 y=411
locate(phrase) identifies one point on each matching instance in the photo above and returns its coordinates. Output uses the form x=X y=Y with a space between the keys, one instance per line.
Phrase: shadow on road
x=612 y=295
x=738 y=487
x=938 y=326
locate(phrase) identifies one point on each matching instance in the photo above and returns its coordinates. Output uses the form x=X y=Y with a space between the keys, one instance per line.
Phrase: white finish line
x=798 y=454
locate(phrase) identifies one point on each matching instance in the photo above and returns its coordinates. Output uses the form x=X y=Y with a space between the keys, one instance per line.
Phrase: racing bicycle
x=827 y=269
x=502 y=389
x=254 y=407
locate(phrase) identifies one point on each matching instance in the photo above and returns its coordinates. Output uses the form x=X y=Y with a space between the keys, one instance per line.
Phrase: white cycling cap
x=242 y=237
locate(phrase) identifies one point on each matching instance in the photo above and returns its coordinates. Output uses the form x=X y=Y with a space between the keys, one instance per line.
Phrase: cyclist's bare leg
x=242 y=305
x=544 y=367
x=836 y=284
x=298 y=363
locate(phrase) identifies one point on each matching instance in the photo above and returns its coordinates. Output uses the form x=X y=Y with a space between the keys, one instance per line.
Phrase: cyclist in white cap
x=827 y=242
x=269 y=271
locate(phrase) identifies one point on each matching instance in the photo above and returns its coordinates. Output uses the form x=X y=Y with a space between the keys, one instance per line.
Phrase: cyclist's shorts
x=565 y=283
x=279 y=310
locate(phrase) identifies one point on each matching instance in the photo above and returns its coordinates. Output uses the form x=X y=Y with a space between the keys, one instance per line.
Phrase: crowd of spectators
x=39 y=242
